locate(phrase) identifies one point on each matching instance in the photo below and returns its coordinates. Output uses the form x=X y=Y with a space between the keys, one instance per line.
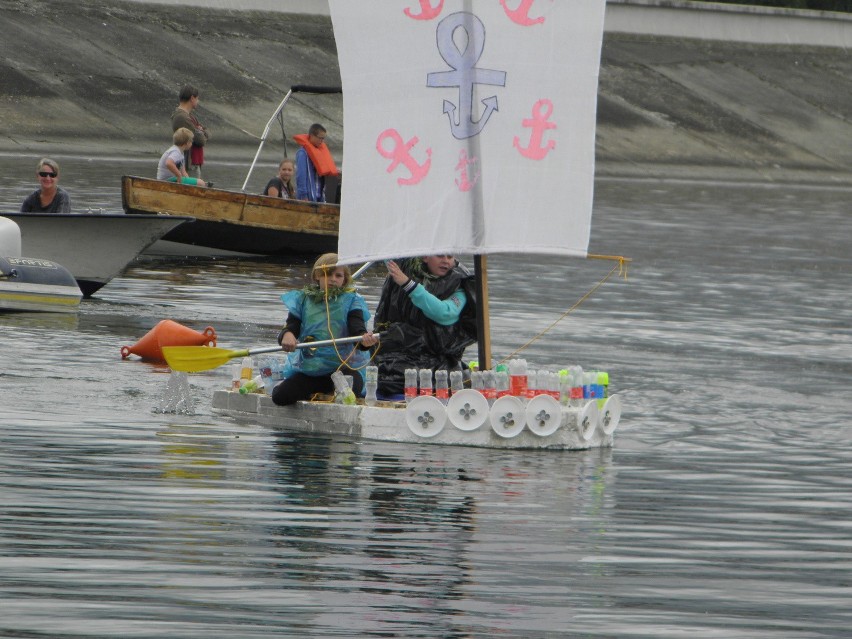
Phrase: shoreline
x=103 y=80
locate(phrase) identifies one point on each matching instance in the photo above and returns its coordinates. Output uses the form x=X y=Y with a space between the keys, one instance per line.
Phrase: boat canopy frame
x=277 y=115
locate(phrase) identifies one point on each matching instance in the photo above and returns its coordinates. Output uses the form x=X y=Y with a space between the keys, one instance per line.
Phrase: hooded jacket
x=409 y=338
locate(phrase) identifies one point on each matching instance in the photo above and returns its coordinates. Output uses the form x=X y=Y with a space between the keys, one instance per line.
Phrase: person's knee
x=283 y=395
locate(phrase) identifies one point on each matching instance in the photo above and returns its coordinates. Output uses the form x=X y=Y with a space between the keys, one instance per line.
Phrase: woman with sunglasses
x=49 y=197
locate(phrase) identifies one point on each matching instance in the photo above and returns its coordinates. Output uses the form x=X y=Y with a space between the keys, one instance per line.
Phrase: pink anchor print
x=427 y=11
x=521 y=14
x=463 y=181
x=401 y=154
x=538 y=124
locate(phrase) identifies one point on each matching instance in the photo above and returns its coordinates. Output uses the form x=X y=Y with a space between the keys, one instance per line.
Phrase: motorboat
x=95 y=247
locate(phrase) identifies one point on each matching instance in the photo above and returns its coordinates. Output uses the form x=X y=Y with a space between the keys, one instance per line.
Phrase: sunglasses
x=47 y=174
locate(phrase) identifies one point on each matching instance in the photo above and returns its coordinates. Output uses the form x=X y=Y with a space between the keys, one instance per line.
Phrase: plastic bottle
x=553 y=385
x=252 y=386
x=589 y=379
x=476 y=381
x=425 y=375
x=489 y=386
x=247 y=369
x=534 y=383
x=456 y=381
x=601 y=384
x=410 y=384
x=518 y=377
x=371 y=386
x=564 y=377
x=442 y=390
x=502 y=382
x=576 y=386
x=342 y=391
x=236 y=377
x=266 y=366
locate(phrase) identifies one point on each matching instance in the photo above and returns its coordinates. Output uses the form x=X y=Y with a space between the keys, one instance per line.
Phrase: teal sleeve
x=444 y=312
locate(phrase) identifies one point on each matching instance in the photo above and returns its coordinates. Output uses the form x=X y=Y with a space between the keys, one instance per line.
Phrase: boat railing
x=296 y=88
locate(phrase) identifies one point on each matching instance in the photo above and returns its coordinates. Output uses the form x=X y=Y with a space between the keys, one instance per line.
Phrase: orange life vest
x=320 y=156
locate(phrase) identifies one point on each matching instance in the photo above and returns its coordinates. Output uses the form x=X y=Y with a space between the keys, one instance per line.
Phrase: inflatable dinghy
x=33 y=284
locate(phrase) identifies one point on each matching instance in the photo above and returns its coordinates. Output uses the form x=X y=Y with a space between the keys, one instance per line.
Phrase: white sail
x=469 y=125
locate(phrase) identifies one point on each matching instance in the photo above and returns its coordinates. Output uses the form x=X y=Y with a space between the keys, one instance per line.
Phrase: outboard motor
x=31 y=284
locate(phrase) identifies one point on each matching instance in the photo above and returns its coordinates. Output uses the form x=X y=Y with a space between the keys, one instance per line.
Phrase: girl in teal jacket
x=330 y=308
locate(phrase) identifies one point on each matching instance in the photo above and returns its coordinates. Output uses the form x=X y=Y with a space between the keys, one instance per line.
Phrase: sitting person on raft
x=329 y=308
x=172 y=166
x=427 y=316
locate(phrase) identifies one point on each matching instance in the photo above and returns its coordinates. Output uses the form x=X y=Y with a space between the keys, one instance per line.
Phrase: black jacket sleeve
x=356 y=326
x=293 y=325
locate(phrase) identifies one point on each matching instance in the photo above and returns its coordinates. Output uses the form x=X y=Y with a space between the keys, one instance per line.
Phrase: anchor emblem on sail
x=401 y=155
x=464 y=181
x=539 y=123
x=465 y=74
x=427 y=11
x=521 y=15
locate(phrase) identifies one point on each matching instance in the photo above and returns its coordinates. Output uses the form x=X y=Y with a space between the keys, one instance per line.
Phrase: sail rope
x=344 y=361
x=620 y=267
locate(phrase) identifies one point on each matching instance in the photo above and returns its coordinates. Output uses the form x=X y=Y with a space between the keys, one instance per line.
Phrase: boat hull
x=94 y=247
x=28 y=284
x=235 y=221
x=390 y=423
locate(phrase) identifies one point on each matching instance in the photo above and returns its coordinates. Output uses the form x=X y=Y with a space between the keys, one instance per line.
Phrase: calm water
x=723 y=510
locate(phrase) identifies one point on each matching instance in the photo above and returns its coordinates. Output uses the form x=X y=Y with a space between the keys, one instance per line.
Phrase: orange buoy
x=168 y=333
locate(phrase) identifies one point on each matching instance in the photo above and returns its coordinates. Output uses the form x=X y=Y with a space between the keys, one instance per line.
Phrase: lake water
x=724 y=509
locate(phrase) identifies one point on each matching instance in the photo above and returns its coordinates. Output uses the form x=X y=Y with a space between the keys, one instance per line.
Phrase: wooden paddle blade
x=194 y=359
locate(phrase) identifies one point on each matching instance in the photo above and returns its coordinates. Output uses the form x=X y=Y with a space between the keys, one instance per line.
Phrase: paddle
x=194 y=359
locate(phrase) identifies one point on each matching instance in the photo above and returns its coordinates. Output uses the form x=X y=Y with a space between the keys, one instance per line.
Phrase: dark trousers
x=301 y=386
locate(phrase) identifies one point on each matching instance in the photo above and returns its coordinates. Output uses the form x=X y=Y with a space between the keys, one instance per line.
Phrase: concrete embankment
x=101 y=76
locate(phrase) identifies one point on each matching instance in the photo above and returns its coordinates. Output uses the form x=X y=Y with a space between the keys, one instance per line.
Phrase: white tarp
x=469 y=125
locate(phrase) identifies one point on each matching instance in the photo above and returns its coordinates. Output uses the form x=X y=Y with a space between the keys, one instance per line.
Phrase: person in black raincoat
x=427 y=316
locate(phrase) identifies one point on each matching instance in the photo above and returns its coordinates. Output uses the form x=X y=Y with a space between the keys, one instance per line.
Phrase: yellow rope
x=621 y=267
x=343 y=361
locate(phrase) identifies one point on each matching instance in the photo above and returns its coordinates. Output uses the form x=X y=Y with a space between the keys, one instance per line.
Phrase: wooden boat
x=32 y=284
x=464 y=206
x=234 y=221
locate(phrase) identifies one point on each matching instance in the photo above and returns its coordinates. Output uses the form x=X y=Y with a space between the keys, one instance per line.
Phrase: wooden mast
x=483 y=328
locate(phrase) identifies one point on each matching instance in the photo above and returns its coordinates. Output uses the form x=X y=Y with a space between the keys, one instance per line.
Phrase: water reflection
x=722 y=510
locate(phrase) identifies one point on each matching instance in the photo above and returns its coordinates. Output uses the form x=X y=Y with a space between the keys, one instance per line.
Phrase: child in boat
x=427 y=315
x=172 y=166
x=282 y=184
x=326 y=309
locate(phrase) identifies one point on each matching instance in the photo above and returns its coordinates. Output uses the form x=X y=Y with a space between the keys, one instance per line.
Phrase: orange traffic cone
x=168 y=333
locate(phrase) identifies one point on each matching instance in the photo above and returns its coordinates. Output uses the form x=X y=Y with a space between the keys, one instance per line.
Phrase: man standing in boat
x=184 y=118
x=313 y=164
